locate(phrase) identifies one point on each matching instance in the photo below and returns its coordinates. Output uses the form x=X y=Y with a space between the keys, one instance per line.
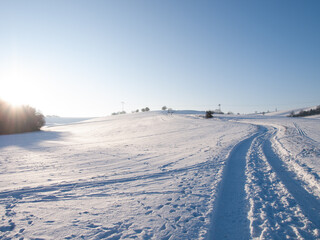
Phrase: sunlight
x=19 y=85
x=13 y=95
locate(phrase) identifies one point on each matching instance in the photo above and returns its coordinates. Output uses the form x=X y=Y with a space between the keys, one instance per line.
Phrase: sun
x=17 y=86
x=13 y=96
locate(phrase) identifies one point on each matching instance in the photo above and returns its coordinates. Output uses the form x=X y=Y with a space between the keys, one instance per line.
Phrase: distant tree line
x=146 y=109
x=304 y=113
x=117 y=113
x=19 y=119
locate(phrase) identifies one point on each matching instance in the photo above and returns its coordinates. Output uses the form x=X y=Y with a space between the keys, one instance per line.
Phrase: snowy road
x=155 y=176
x=276 y=202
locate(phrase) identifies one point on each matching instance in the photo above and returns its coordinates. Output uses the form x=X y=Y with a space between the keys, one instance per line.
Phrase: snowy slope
x=159 y=176
x=54 y=120
x=132 y=176
x=285 y=113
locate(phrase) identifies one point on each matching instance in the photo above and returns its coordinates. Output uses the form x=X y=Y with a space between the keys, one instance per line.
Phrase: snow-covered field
x=158 y=176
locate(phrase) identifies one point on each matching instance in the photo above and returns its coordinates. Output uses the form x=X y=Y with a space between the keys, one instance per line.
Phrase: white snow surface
x=160 y=176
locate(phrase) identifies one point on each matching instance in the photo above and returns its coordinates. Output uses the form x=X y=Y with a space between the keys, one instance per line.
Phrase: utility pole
x=219 y=107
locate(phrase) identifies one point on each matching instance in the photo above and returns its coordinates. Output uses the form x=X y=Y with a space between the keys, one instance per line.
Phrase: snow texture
x=163 y=176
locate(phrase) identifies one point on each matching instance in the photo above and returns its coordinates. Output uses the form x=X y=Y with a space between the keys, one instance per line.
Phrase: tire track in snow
x=230 y=218
x=274 y=213
x=308 y=203
x=300 y=131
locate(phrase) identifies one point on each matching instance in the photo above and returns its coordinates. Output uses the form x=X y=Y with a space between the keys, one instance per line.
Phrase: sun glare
x=17 y=87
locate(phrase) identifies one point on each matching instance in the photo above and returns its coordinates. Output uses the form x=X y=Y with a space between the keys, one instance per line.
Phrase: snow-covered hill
x=285 y=113
x=160 y=176
x=55 y=120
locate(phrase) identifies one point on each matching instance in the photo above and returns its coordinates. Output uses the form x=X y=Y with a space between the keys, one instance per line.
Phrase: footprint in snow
x=9 y=227
x=195 y=214
x=91 y=225
x=70 y=237
x=148 y=212
x=49 y=221
x=138 y=230
x=163 y=227
x=160 y=206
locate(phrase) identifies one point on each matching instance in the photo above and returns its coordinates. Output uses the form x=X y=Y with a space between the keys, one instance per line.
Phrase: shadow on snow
x=30 y=139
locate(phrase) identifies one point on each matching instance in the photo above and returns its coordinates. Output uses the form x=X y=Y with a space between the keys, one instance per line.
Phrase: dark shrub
x=145 y=109
x=19 y=119
x=209 y=114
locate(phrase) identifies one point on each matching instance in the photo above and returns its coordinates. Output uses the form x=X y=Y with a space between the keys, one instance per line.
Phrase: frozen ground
x=157 y=176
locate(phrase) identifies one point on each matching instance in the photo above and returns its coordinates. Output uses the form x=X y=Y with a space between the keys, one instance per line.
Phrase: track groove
x=230 y=218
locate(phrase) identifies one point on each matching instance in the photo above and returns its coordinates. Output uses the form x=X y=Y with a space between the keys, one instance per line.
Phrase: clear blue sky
x=83 y=58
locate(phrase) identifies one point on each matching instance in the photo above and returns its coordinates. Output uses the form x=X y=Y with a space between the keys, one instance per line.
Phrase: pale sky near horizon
x=83 y=58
